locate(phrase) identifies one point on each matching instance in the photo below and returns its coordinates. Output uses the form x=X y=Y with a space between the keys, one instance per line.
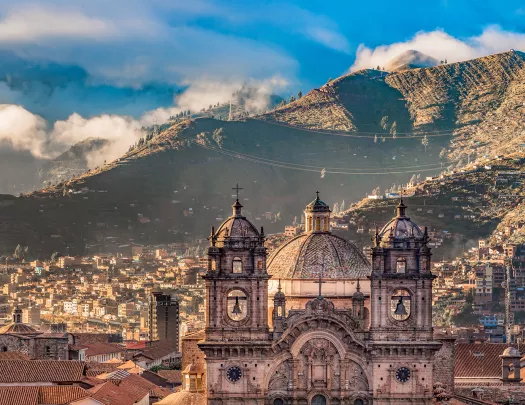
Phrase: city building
x=322 y=353
x=164 y=318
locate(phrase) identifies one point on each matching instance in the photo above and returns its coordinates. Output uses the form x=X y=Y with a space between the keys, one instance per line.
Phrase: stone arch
x=276 y=363
x=317 y=334
x=333 y=325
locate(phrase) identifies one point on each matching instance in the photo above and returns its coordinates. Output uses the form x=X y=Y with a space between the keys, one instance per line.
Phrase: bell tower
x=401 y=330
x=237 y=336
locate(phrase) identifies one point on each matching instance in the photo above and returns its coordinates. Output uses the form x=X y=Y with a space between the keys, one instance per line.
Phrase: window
x=259 y=264
x=4 y=349
x=279 y=311
x=214 y=264
x=309 y=225
x=237 y=265
x=317 y=224
x=278 y=401
x=48 y=351
x=401 y=265
x=359 y=401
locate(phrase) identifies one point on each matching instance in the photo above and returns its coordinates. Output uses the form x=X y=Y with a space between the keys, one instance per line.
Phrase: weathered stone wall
x=444 y=363
x=497 y=394
x=36 y=348
x=191 y=354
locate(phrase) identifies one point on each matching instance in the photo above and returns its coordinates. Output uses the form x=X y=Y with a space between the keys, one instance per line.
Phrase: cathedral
x=316 y=322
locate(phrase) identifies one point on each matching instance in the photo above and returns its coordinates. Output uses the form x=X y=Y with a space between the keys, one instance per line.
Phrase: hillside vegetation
x=365 y=129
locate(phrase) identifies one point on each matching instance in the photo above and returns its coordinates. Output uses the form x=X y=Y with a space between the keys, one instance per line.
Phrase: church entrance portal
x=319 y=400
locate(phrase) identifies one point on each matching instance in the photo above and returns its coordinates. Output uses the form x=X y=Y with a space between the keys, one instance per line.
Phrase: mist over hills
x=363 y=129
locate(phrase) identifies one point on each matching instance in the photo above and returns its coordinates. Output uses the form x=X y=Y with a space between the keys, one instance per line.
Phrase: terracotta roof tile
x=478 y=360
x=123 y=392
x=173 y=376
x=18 y=371
x=60 y=394
x=13 y=356
x=101 y=348
x=48 y=395
x=158 y=350
x=19 y=395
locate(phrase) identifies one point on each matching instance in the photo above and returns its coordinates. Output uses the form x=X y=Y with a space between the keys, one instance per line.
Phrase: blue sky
x=131 y=42
x=130 y=59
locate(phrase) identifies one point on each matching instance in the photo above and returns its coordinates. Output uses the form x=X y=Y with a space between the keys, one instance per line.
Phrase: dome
x=401 y=227
x=318 y=205
x=305 y=257
x=18 y=329
x=236 y=225
x=511 y=352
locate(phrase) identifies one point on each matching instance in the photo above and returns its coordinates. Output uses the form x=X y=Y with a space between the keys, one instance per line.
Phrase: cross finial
x=320 y=282
x=317 y=192
x=237 y=188
x=358 y=286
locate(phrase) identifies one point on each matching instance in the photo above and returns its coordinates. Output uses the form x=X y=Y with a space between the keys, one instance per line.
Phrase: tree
x=378 y=67
x=55 y=256
x=393 y=130
x=299 y=95
x=384 y=122
x=292 y=99
x=19 y=252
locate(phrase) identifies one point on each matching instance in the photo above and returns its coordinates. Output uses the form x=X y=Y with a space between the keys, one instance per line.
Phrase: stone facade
x=379 y=349
x=444 y=362
x=37 y=347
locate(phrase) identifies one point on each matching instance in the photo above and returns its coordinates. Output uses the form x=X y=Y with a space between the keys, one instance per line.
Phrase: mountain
x=72 y=162
x=362 y=130
x=475 y=202
x=480 y=103
x=411 y=59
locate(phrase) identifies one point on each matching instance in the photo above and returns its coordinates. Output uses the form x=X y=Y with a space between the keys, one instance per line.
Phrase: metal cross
x=317 y=192
x=320 y=282
x=237 y=188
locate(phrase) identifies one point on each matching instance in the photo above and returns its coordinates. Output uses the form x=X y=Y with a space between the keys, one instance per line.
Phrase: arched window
x=237 y=265
x=279 y=311
x=309 y=224
x=4 y=349
x=278 y=401
x=401 y=265
x=326 y=224
x=318 y=400
x=359 y=401
x=214 y=265
x=317 y=224
x=259 y=264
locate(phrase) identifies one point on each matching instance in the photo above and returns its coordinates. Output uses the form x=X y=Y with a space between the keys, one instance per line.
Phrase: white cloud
x=327 y=37
x=134 y=44
x=441 y=46
x=23 y=130
x=35 y=24
x=26 y=131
